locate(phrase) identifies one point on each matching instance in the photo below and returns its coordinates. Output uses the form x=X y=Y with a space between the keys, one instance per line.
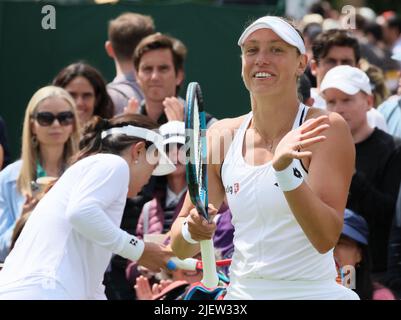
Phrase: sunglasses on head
x=46 y=119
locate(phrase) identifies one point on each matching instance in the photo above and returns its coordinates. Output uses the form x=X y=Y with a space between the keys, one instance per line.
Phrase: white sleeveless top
x=270 y=246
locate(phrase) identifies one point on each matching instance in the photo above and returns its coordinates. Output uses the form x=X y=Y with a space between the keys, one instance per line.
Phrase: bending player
x=66 y=245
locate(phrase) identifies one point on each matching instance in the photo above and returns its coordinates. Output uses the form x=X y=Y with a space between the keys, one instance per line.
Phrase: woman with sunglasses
x=50 y=137
x=67 y=243
x=88 y=88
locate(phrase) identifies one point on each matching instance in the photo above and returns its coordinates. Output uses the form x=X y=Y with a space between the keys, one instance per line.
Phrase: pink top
x=382 y=293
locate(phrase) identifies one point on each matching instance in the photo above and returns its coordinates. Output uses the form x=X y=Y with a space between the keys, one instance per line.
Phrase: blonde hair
x=376 y=76
x=30 y=152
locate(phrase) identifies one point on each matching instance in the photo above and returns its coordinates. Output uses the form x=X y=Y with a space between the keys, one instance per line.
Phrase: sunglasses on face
x=46 y=119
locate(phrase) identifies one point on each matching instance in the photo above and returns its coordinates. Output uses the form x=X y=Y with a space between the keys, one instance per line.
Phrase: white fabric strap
x=282 y=28
x=185 y=232
x=291 y=177
x=132 y=248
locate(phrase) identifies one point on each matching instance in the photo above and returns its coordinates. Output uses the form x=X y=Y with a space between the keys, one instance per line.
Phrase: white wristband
x=133 y=248
x=291 y=177
x=185 y=232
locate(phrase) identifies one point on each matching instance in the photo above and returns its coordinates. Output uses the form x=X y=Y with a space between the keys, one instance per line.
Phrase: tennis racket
x=196 y=172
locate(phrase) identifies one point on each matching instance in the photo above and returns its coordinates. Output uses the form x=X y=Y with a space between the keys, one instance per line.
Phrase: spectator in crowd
x=332 y=48
x=310 y=31
x=27 y=210
x=377 y=174
x=374 y=49
x=88 y=88
x=124 y=34
x=391 y=108
x=304 y=90
x=158 y=214
x=370 y=47
x=4 y=149
x=393 y=276
x=392 y=34
x=50 y=137
x=353 y=259
x=159 y=64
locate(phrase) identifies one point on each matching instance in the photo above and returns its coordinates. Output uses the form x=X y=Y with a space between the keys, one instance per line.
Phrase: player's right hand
x=199 y=228
x=155 y=256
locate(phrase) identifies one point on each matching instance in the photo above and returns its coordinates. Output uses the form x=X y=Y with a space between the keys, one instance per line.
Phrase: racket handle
x=186 y=264
x=192 y=264
x=210 y=278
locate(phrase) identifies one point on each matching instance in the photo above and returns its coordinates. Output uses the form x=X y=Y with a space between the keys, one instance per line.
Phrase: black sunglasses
x=46 y=119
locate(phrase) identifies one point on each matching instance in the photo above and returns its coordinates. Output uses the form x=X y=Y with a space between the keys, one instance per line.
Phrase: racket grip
x=210 y=278
x=186 y=264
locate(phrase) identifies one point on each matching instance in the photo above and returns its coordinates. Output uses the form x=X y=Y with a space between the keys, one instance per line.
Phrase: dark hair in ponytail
x=91 y=142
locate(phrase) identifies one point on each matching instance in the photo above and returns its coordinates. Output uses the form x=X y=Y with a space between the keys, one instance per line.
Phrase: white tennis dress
x=66 y=244
x=273 y=258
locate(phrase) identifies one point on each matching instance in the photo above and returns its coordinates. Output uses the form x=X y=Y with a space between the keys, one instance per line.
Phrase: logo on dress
x=232 y=189
x=134 y=242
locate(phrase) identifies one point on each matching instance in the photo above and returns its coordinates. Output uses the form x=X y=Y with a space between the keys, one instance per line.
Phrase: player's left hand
x=293 y=144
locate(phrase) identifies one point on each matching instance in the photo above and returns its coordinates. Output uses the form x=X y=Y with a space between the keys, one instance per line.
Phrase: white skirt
x=262 y=289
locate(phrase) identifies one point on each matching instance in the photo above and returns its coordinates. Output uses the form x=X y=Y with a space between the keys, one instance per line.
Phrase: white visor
x=282 y=28
x=165 y=165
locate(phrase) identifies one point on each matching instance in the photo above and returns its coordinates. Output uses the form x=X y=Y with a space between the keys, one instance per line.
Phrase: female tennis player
x=286 y=175
x=66 y=245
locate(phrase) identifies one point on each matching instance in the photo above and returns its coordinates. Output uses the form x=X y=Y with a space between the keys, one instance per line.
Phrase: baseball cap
x=355 y=227
x=173 y=132
x=282 y=28
x=349 y=80
x=165 y=166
